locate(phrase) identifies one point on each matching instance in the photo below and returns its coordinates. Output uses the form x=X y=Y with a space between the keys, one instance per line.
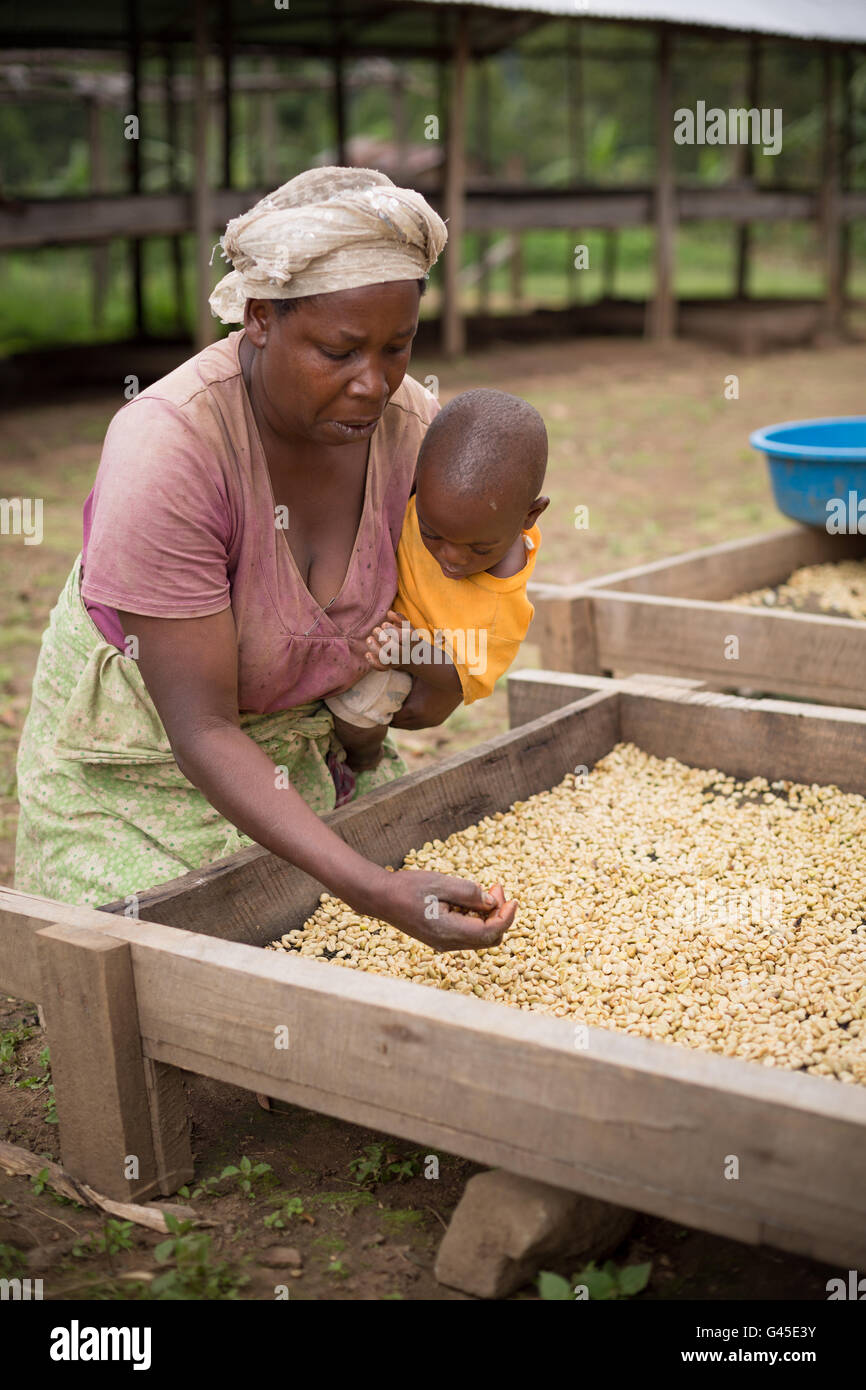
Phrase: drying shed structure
x=454 y=36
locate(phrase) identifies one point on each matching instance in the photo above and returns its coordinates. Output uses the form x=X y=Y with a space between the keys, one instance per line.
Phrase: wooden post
x=226 y=55
x=846 y=167
x=135 y=244
x=203 y=216
x=485 y=239
x=340 y=131
x=453 y=327
x=268 y=127
x=608 y=267
x=745 y=164
x=171 y=140
x=575 y=143
x=830 y=213
x=107 y=1098
x=399 y=125
x=662 y=308
x=100 y=254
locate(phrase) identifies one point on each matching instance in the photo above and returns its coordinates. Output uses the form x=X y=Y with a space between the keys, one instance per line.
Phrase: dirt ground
x=647 y=440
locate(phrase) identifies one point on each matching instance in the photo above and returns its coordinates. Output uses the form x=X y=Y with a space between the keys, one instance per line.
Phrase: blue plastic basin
x=813 y=462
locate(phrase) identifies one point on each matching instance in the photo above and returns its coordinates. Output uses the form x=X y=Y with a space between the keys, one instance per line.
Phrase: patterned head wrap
x=327 y=229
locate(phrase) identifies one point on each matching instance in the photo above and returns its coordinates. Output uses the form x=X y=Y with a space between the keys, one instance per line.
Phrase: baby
x=466 y=553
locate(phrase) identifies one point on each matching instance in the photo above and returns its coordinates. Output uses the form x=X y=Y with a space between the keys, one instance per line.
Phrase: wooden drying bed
x=130 y=1004
x=674 y=617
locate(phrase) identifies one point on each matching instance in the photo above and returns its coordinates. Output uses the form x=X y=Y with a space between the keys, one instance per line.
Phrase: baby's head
x=479 y=474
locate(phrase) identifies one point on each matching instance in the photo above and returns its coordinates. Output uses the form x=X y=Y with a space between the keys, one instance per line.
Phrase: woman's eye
x=336 y=356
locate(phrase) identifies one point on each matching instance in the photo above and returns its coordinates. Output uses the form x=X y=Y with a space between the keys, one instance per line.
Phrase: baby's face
x=464 y=538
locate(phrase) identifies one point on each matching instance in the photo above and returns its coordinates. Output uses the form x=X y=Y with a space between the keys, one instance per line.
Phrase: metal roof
x=838 y=20
x=407 y=28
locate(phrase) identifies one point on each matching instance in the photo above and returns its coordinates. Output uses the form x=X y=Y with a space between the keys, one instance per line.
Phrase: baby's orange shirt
x=483 y=619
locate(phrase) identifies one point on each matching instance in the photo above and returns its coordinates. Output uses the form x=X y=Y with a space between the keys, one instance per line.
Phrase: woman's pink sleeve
x=160 y=518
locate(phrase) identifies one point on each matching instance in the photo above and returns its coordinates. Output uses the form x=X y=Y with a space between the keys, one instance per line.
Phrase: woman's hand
x=419 y=903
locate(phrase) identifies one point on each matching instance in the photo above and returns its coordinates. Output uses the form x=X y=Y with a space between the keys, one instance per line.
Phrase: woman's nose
x=370 y=382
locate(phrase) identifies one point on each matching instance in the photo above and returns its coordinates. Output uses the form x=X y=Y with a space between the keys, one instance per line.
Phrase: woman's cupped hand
x=423 y=905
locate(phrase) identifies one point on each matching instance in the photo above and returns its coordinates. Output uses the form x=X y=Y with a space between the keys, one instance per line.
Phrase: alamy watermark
x=736 y=126
x=408 y=647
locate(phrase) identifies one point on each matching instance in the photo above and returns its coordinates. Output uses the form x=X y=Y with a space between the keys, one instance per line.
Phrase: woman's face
x=325 y=371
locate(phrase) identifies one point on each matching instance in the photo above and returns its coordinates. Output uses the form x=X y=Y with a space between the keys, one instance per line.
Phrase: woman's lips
x=355 y=431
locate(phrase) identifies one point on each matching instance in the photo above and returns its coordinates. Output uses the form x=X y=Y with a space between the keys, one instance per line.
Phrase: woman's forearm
x=241 y=782
x=425 y=707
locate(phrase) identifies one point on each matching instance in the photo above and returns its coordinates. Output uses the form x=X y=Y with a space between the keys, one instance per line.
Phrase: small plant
x=41 y=1183
x=11 y=1261
x=10 y=1041
x=608 y=1282
x=377 y=1164
x=249 y=1176
x=42 y=1079
x=195 y=1275
x=338 y=1268
x=287 y=1209
x=114 y=1237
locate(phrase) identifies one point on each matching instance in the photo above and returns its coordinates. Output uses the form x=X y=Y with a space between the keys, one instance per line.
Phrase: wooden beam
x=103 y=1104
x=31 y=222
x=453 y=327
x=661 y=317
x=205 y=330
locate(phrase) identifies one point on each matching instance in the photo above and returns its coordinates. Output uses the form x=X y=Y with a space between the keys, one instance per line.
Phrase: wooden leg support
x=123 y=1121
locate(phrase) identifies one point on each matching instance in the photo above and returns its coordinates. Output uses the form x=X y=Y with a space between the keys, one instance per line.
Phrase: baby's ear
x=539 y=505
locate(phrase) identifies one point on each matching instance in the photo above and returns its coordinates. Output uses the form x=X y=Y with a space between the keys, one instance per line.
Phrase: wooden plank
x=720 y=571
x=799 y=654
x=253 y=896
x=533 y=693
x=96 y=1062
x=775 y=739
x=642 y=1123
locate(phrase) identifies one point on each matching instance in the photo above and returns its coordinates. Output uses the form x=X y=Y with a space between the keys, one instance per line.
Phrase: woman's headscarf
x=327 y=229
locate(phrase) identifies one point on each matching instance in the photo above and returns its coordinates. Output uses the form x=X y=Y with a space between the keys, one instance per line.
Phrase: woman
x=239 y=543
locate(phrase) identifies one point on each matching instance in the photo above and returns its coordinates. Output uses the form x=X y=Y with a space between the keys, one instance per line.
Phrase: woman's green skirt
x=105 y=811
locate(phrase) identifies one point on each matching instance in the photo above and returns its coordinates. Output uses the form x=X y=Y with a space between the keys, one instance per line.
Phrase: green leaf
x=164 y=1251
x=229 y=1172
x=599 y=1282
x=634 y=1279
x=553 y=1286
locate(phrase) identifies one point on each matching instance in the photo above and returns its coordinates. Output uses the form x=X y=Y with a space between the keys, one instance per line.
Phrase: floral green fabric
x=105 y=810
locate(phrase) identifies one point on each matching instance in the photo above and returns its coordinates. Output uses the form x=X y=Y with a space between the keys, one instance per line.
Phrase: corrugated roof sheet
x=841 y=20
